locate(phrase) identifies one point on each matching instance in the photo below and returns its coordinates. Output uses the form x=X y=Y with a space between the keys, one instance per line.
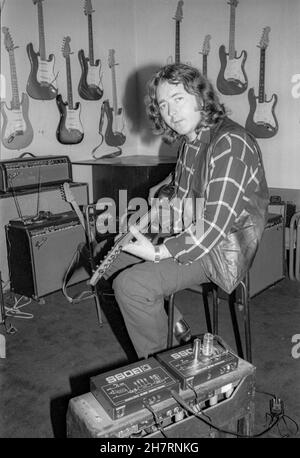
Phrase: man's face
x=178 y=108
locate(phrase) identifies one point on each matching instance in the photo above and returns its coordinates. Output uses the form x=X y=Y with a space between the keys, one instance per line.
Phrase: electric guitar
x=41 y=83
x=178 y=18
x=115 y=122
x=205 y=52
x=163 y=225
x=232 y=79
x=17 y=132
x=89 y=84
x=261 y=120
x=70 y=130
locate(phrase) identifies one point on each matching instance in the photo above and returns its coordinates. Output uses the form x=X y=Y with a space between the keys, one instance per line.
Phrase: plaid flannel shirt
x=232 y=178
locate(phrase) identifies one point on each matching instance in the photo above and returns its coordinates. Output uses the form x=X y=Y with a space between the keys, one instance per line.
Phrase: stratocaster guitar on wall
x=90 y=81
x=178 y=18
x=261 y=120
x=41 y=83
x=17 y=132
x=115 y=123
x=70 y=130
x=205 y=52
x=232 y=79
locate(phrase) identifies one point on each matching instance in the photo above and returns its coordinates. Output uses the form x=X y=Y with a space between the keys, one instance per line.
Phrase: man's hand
x=143 y=248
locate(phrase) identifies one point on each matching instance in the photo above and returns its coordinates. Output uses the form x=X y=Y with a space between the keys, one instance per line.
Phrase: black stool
x=233 y=298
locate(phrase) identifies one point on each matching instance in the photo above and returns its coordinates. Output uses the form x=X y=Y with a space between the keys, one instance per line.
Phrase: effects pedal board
x=122 y=392
x=206 y=358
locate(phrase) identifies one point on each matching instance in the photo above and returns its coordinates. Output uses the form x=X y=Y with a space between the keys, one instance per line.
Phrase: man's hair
x=194 y=82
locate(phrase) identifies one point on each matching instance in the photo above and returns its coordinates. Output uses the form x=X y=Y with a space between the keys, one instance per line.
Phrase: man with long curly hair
x=218 y=188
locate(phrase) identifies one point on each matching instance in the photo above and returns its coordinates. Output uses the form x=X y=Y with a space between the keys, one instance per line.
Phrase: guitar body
x=112 y=138
x=232 y=78
x=261 y=120
x=69 y=130
x=88 y=87
x=41 y=78
x=17 y=132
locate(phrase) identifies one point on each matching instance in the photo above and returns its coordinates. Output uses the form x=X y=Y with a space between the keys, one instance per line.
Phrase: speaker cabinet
x=29 y=203
x=40 y=253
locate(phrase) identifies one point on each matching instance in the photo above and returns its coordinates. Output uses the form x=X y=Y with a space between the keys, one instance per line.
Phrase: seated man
x=220 y=198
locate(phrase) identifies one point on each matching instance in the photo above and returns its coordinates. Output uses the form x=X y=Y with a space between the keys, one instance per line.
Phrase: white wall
x=143 y=34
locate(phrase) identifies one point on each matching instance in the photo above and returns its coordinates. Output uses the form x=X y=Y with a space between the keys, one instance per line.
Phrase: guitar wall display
x=115 y=122
x=205 y=52
x=261 y=120
x=41 y=83
x=70 y=130
x=232 y=79
x=89 y=84
x=17 y=132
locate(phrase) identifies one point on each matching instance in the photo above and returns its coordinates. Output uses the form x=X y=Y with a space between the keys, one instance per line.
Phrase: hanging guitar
x=90 y=81
x=115 y=122
x=41 y=81
x=205 y=52
x=17 y=132
x=177 y=18
x=232 y=79
x=261 y=120
x=70 y=130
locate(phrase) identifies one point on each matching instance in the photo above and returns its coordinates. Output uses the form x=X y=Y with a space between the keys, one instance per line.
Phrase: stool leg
x=215 y=310
x=235 y=325
x=246 y=302
x=170 y=321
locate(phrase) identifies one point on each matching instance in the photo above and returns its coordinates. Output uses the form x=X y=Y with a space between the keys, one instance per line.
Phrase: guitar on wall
x=17 y=132
x=115 y=122
x=232 y=79
x=90 y=81
x=70 y=130
x=261 y=120
x=41 y=83
x=205 y=52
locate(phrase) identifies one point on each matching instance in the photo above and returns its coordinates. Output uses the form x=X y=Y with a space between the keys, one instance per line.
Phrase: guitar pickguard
x=45 y=73
x=72 y=121
x=17 y=132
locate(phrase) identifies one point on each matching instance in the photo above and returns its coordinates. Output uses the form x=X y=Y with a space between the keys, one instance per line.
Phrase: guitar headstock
x=233 y=3
x=264 y=41
x=66 y=49
x=88 y=9
x=206 y=45
x=66 y=192
x=8 y=41
x=179 y=13
x=111 y=58
x=37 y=1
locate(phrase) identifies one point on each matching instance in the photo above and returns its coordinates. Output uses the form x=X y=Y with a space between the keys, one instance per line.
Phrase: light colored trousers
x=140 y=289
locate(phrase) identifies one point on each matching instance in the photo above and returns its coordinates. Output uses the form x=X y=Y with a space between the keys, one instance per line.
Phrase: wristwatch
x=157 y=253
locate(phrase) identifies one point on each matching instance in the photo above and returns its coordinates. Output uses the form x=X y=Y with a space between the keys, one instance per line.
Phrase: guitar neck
x=69 y=83
x=114 y=96
x=261 y=90
x=91 y=45
x=177 y=42
x=231 y=52
x=42 y=47
x=204 y=65
x=15 y=103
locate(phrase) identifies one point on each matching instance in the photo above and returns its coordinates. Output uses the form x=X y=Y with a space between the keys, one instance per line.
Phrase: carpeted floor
x=58 y=346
